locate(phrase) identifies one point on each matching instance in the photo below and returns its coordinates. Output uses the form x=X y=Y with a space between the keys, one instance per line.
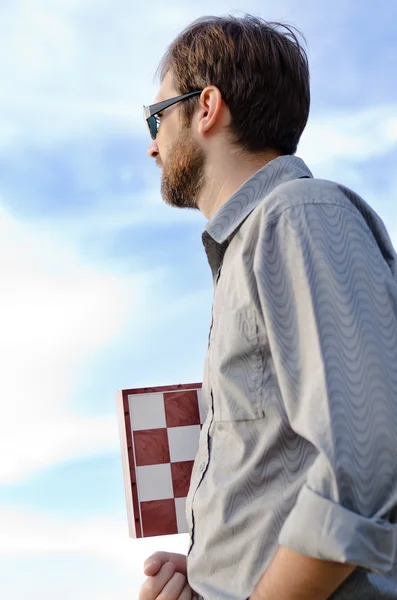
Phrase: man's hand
x=167 y=578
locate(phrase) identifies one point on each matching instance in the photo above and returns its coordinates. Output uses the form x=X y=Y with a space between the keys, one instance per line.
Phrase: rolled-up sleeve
x=329 y=302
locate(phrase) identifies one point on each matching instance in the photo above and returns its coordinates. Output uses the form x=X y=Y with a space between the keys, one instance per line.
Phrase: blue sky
x=104 y=286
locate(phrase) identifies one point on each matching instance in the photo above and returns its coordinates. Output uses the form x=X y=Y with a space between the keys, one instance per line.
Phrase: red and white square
x=147 y=411
x=181 y=408
x=181 y=473
x=151 y=447
x=183 y=442
x=154 y=482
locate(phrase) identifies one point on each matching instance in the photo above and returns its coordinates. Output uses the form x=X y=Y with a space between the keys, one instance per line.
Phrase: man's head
x=255 y=98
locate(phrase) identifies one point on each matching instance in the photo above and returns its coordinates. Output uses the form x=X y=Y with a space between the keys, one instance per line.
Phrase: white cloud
x=128 y=211
x=70 y=69
x=349 y=135
x=55 y=314
x=30 y=533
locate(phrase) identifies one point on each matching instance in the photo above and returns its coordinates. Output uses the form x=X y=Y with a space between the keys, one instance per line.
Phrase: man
x=294 y=489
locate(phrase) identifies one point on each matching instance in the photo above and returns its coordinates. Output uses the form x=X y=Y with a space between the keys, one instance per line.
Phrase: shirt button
x=202 y=466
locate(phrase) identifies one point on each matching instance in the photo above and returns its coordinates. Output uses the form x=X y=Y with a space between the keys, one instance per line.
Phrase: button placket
x=209 y=245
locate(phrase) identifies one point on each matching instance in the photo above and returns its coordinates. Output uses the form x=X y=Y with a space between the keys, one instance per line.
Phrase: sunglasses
x=151 y=113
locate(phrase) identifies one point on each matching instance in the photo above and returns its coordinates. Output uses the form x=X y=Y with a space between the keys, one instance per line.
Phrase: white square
x=183 y=442
x=154 y=482
x=202 y=408
x=146 y=411
x=180 y=509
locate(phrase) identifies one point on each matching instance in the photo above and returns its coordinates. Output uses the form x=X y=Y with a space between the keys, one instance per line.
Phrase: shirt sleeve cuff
x=319 y=528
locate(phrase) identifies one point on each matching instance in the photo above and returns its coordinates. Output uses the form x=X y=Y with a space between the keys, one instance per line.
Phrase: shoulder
x=303 y=195
x=310 y=202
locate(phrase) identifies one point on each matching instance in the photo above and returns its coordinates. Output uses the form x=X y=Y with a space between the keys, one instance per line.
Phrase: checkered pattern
x=159 y=431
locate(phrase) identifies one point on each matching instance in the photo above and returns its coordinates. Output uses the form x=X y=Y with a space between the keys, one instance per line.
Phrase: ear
x=211 y=109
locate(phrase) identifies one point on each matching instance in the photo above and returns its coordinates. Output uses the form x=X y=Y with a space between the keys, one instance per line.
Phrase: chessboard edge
x=163 y=388
x=128 y=466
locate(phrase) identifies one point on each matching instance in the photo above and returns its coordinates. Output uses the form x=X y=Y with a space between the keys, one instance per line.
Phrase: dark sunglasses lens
x=152 y=122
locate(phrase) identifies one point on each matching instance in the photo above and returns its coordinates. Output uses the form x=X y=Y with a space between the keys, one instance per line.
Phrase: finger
x=153 y=586
x=173 y=589
x=187 y=593
x=180 y=562
x=153 y=564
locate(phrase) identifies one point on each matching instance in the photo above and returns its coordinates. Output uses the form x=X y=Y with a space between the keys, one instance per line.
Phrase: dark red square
x=159 y=517
x=181 y=473
x=151 y=447
x=181 y=408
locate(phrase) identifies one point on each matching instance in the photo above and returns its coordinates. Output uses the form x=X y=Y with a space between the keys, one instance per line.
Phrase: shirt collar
x=230 y=216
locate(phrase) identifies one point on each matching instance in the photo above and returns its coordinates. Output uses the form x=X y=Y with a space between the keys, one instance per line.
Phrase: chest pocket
x=236 y=366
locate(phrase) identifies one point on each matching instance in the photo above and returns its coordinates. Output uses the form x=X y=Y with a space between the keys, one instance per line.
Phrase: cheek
x=162 y=146
x=166 y=149
x=162 y=158
x=167 y=136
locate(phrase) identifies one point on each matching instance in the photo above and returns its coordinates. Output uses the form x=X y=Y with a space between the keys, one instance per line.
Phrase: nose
x=153 y=150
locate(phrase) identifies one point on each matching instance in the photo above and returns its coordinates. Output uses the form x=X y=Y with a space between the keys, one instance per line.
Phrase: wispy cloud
x=349 y=135
x=56 y=313
x=66 y=319
x=34 y=534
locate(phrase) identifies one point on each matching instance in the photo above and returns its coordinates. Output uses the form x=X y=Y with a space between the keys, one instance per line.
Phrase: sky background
x=103 y=286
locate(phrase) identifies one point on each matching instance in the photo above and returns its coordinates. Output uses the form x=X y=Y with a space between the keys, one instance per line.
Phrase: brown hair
x=261 y=72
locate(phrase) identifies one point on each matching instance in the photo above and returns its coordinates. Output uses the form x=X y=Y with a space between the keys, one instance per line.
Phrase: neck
x=226 y=174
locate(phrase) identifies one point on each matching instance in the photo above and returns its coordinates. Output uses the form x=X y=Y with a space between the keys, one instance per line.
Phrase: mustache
x=159 y=163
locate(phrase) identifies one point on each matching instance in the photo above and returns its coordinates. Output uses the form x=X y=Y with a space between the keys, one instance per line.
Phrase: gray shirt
x=299 y=447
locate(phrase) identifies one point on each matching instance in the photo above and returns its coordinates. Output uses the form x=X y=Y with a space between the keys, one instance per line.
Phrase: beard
x=183 y=174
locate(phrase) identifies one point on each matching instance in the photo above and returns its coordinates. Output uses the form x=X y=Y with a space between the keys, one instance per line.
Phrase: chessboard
x=159 y=433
